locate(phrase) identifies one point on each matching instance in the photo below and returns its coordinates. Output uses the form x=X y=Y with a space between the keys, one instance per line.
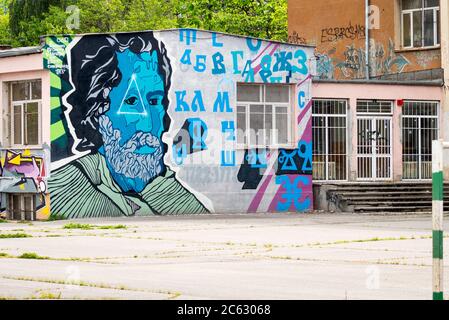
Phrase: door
x=22 y=207
x=374 y=148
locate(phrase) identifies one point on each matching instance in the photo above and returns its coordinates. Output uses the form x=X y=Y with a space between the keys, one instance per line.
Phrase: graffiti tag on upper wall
x=351 y=32
x=295 y=38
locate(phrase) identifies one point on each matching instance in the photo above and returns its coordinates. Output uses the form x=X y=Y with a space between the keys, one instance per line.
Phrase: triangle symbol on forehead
x=139 y=108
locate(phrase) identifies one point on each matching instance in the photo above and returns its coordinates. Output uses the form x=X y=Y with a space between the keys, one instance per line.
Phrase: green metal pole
x=437 y=218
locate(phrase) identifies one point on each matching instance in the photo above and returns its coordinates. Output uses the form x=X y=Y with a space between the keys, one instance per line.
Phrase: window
x=420 y=23
x=25 y=112
x=374 y=106
x=263 y=115
x=329 y=139
x=419 y=129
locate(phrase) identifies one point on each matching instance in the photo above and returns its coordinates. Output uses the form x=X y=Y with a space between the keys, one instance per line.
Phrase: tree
x=5 y=35
x=25 y=17
x=102 y=15
x=257 y=18
x=151 y=15
x=30 y=18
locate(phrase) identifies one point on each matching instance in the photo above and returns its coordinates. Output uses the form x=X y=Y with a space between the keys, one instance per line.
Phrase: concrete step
x=390 y=209
x=385 y=197
x=381 y=193
x=392 y=198
x=355 y=189
x=427 y=197
x=393 y=204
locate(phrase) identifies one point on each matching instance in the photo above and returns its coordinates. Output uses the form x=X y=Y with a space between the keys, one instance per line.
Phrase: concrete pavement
x=288 y=256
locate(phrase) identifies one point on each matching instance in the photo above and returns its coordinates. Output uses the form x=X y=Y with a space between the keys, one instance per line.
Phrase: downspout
x=367 y=53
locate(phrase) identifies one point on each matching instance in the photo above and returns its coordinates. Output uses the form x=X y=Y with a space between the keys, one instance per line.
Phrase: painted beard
x=132 y=171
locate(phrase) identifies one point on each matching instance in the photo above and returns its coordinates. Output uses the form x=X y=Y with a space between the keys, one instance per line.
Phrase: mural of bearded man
x=117 y=111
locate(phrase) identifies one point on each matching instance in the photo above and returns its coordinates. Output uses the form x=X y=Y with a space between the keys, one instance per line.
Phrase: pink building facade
x=374 y=132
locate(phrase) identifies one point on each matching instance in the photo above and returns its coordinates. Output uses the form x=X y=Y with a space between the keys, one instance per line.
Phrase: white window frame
x=419 y=117
x=22 y=104
x=436 y=40
x=326 y=117
x=273 y=144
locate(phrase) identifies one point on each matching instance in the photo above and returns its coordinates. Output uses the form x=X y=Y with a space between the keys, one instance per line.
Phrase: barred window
x=329 y=131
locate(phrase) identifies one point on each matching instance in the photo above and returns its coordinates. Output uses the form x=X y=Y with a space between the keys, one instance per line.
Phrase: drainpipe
x=367 y=55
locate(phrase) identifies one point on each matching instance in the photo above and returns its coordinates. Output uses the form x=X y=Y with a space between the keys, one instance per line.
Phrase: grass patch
x=25 y=222
x=14 y=235
x=401 y=238
x=175 y=295
x=3 y=221
x=32 y=255
x=78 y=226
x=55 y=217
x=119 y=226
x=91 y=227
x=4 y=255
x=93 y=285
x=47 y=296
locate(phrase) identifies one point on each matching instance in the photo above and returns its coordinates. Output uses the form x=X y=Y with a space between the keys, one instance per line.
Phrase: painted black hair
x=94 y=73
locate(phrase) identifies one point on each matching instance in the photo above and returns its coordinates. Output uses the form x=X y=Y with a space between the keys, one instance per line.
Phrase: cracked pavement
x=262 y=256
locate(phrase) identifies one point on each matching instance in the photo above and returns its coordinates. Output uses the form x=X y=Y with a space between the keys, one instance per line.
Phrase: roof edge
x=178 y=29
x=20 y=51
x=430 y=83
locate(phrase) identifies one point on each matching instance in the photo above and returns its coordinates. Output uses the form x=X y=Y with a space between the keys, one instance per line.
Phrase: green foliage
x=5 y=33
x=257 y=18
x=150 y=15
x=28 y=19
x=53 y=23
x=14 y=235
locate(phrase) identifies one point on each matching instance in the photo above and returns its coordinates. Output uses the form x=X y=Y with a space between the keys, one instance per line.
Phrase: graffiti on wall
x=137 y=118
x=353 y=65
x=295 y=38
x=24 y=171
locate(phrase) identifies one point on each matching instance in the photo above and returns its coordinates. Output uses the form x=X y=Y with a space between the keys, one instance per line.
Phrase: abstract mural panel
x=25 y=172
x=146 y=123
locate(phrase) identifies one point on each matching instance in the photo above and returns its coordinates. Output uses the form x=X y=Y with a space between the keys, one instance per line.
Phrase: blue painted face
x=132 y=128
x=136 y=103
